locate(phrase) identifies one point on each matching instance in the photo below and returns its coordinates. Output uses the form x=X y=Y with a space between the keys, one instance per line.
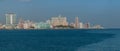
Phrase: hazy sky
x=104 y=12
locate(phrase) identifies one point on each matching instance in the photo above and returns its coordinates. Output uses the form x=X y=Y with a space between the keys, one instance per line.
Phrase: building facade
x=10 y=19
x=56 y=21
x=87 y=25
x=77 y=25
x=42 y=25
x=81 y=25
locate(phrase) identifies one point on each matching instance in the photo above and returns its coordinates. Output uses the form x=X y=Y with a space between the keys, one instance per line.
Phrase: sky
x=103 y=12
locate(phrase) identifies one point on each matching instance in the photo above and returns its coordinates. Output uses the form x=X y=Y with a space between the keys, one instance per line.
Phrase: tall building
x=56 y=21
x=77 y=22
x=10 y=19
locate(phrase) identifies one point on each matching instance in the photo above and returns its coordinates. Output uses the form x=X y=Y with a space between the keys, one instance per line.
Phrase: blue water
x=60 y=40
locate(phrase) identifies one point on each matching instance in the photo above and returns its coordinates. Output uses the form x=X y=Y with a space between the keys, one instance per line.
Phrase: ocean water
x=60 y=40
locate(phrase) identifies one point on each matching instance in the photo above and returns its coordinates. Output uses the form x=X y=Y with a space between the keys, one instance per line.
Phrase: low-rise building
x=42 y=25
x=97 y=27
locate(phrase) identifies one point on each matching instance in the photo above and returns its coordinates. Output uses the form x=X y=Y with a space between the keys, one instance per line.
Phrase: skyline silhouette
x=104 y=12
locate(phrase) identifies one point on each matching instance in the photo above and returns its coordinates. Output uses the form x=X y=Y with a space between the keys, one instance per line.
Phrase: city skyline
x=104 y=12
x=56 y=22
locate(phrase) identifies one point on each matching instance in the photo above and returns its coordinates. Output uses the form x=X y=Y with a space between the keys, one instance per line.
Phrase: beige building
x=56 y=21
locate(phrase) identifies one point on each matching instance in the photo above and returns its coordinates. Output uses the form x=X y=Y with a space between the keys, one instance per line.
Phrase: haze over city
x=104 y=12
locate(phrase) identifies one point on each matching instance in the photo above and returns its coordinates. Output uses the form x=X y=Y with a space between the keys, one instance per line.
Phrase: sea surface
x=60 y=40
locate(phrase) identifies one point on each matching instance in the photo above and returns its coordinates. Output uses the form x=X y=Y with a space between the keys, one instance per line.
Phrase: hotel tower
x=10 y=19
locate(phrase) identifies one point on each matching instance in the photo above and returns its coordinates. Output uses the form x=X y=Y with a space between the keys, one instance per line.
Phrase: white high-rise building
x=10 y=19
